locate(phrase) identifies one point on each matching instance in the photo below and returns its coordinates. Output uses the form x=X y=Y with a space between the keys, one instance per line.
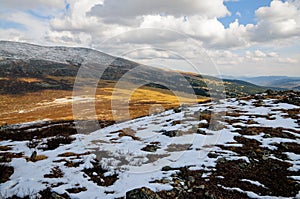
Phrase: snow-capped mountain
x=59 y=54
x=27 y=60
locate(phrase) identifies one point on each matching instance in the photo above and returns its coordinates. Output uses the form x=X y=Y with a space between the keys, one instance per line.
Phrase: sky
x=224 y=37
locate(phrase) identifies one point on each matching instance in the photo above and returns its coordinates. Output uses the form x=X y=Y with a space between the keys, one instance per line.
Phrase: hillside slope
x=27 y=60
x=37 y=83
x=237 y=148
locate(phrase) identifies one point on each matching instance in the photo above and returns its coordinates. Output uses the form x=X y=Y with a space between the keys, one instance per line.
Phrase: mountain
x=283 y=82
x=19 y=60
x=37 y=83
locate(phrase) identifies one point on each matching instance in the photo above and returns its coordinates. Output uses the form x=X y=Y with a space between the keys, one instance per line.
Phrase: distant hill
x=284 y=82
x=51 y=66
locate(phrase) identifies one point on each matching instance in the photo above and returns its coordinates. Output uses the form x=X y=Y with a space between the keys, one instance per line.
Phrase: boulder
x=142 y=193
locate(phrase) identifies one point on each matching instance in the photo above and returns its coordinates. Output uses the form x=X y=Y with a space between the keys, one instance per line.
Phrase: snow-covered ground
x=174 y=139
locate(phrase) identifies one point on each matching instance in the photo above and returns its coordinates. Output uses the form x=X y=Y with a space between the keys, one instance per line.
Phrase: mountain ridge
x=272 y=81
x=24 y=59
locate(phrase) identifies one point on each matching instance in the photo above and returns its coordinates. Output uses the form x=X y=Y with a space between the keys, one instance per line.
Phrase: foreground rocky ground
x=236 y=148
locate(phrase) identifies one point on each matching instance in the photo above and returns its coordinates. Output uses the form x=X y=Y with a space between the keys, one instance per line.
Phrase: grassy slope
x=56 y=104
x=26 y=99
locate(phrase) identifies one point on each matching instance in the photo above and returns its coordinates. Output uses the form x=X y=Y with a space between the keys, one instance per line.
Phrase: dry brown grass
x=36 y=158
x=70 y=154
x=29 y=107
x=29 y=79
x=5 y=148
x=57 y=104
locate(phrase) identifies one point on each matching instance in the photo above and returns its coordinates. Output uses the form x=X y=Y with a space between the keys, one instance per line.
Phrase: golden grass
x=57 y=104
x=4 y=78
x=29 y=107
x=36 y=158
x=69 y=154
x=29 y=80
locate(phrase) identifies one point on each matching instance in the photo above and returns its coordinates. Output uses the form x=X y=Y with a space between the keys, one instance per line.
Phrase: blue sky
x=6 y=24
x=246 y=8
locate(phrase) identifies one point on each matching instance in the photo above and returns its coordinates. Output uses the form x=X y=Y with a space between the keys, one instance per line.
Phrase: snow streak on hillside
x=60 y=54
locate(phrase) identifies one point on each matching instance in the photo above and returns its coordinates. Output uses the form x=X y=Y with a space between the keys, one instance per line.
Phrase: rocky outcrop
x=142 y=193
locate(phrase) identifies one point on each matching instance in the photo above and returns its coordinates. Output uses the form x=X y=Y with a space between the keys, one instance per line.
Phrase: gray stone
x=142 y=193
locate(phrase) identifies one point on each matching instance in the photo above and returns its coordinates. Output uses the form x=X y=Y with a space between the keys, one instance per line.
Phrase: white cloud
x=268 y=57
x=197 y=19
x=31 y=4
x=287 y=60
x=259 y=53
x=134 y=8
x=278 y=21
x=273 y=54
x=108 y=18
x=11 y=35
x=225 y=57
x=34 y=29
x=150 y=54
x=76 y=19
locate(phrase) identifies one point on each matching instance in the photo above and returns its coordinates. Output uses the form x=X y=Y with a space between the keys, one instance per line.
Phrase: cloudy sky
x=241 y=37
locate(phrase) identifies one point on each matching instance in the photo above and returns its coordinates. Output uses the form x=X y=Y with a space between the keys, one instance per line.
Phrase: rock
x=209 y=196
x=166 y=168
x=33 y=156
x=221 y=160
x=212 y=155
x=176 y=122
x=265 y=157
x=170 y=133
x=285 y=146
x=202 y=186
x=191 y=179
x=150 y=148
x=178 y=189
x=243 y=165
x=199 y=131
x=162 y=131
x=177 y=183
x=206 y=111
x=216 y=126
x=128 y=132
x=284 y=135
x=56 y=196
x=267 y=136
x=203 y=125
x=142 y=193
x=251 y=122
x=177 y=109
x=205 y=116
x=189 y=184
